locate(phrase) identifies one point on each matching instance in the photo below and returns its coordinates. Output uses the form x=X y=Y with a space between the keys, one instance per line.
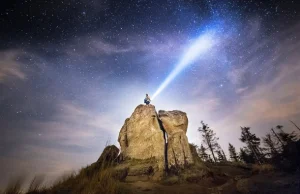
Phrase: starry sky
x=72 y=71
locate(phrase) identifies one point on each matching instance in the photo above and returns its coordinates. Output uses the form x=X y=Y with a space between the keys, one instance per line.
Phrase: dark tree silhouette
x=224 y=158
x=270 y=145
x=252 y=142
x=202 y=153
x=210 y=159
x=295 y=125
x=232 y=153
x=246 y=156
x=224 y=155
x=286 y=138
x=209 y=139
x=220 y=156
x=276 y=135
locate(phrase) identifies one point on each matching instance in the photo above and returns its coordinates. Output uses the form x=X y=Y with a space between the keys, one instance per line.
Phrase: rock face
x=141 y=136
x=175 y=125
x=163 y=137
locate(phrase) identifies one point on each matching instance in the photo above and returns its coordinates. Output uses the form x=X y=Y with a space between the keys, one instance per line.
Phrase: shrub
x=262 y=168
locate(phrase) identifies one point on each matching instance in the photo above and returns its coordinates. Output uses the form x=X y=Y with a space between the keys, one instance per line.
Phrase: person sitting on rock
x=147 y=100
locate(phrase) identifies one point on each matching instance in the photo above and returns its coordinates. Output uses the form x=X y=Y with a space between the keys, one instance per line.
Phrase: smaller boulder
x=109 y=156
x=175 y=124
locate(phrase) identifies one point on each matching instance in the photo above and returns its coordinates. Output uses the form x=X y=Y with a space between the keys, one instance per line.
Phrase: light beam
x=202 y=44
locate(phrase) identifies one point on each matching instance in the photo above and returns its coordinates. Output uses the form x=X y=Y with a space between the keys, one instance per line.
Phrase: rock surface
x=108 y=156
x=141 y=136
x=175 y=124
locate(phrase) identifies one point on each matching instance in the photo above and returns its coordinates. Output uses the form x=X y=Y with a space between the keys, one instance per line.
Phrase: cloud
x=241 y=90
x=266 y=105
x=236 y=75
x=53 y=146
x=277 y=99
x=95 y=45
x=72 y=125
x=10 y=67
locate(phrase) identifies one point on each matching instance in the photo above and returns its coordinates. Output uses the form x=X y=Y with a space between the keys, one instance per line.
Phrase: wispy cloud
x=95 y=46
x=241 y=90
x=74 y=125
x=278 y=99
x=236 y=76
x=10 y=67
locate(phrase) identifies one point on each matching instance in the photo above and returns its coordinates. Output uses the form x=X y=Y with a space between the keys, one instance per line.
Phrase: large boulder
x=141 y=136
x=175 y=124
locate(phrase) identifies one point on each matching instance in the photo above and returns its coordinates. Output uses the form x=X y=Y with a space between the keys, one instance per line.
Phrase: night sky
x=72 y=71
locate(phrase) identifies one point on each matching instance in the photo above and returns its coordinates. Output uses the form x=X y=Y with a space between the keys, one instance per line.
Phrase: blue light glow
x=201 y=45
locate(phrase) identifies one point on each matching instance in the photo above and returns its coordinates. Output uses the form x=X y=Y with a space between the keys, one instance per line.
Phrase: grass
x=262 y=168
x=15 y=186
x=86 y=183
x=93 y=179
x=36 y=185
x=83 y=182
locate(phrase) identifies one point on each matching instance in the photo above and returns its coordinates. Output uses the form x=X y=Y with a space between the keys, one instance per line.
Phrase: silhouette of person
x=147 y=100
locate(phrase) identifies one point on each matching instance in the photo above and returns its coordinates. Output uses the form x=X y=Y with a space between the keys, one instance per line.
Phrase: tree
x=270 y=145
x=295 y=125
x=232 y=153
x=252 y=142
x=209 y=139
x=209 y=159
x=246 y=155
x=202 y=153
x=224 y=155
x=286 y=138
x=276 y=135
x=220 y=156
x=222 y=152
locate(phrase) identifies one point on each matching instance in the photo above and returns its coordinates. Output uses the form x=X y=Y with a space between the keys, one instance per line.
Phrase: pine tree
x=276 y=135
x=270 y=145
x=246 y=156
x=232 y=153
x=224 y=155
x=252 y=142
x=286 y=137
x=209 y=139
x=295 y=125
x=222 y=152
x=220 y=156
x=209 y=159
x=202 y=153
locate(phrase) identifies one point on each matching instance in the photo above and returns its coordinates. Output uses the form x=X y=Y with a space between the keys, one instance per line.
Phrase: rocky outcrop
x=175 y=124
x=163 y=137
x=108 y=156
x=141 y=136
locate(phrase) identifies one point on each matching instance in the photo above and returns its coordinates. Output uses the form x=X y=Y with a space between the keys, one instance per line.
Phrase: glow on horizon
x=202 y=44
